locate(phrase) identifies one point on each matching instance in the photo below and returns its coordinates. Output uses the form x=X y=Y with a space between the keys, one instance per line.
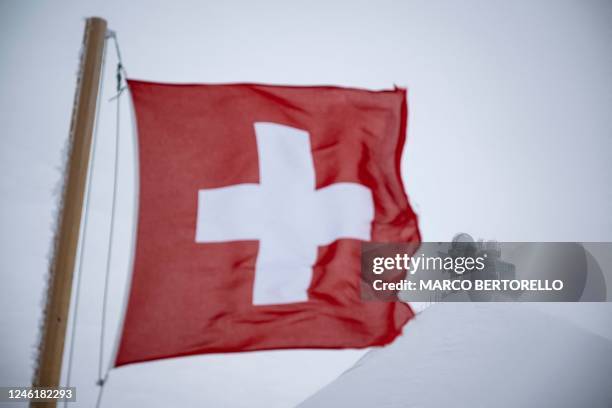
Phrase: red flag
x=253 y=202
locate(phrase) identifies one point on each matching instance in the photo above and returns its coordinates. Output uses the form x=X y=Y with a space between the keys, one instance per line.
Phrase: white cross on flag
x=253 y=203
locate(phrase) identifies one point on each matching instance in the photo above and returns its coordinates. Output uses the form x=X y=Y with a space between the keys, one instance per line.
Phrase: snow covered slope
x=485 y=355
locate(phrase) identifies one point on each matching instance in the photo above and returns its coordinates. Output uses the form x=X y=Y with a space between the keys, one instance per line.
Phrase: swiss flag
x=253 y=203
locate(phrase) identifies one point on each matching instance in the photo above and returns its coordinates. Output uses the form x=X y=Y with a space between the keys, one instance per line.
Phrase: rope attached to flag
x=120 y=74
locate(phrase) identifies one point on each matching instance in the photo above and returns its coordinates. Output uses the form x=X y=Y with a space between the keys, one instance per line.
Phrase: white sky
x=510 y=138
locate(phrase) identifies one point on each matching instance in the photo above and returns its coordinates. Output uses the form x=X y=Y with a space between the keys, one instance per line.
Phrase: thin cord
x=120 y=68
x=101 y=390
x=102 y=378
x=83 y=239
x=109 y=253
x=113 y=36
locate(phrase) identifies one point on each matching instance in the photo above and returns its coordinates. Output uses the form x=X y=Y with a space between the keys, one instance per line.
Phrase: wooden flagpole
x=51 y=349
